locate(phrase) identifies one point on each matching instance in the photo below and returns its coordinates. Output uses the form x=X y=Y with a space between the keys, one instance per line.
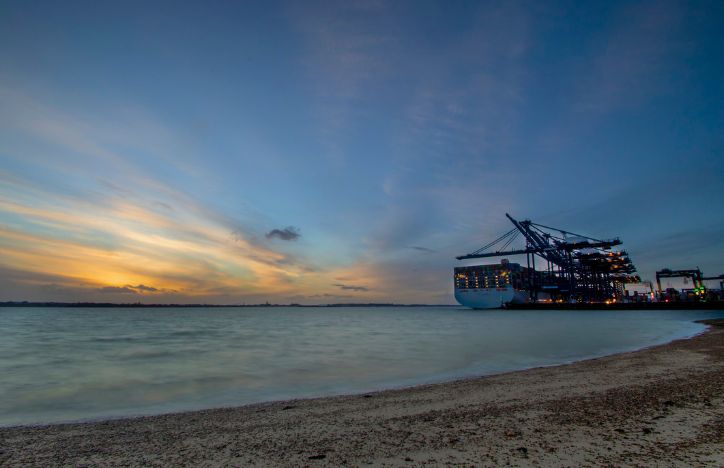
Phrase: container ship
x=576 y=272
x=492 y=286
x=574 y=269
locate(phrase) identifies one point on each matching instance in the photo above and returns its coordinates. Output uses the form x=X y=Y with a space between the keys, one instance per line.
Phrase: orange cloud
x=112 y=242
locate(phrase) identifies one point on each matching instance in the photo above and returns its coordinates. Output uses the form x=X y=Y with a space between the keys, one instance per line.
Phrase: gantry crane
x=577 y=267
x=695 y=275
x=714 y=278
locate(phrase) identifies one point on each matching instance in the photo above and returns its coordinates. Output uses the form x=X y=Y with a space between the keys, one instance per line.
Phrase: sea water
x=70 y=364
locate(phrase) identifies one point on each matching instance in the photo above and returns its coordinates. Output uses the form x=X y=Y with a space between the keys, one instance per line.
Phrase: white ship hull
x=490 y=298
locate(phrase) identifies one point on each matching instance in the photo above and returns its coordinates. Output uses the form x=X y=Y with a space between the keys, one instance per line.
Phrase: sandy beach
x=660 y=406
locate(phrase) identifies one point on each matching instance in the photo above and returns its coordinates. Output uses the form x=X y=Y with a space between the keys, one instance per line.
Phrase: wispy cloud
x=107 y=230
x=130 y=289
x=351 y=287
x=458 y=115
x=347 y=56
x=631 y=57
x=124 y=139
x=117 y=290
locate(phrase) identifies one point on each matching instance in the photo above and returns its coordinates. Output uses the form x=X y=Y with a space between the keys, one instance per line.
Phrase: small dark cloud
x=319 y=296
x=165 y=206
x=351 y=287
x=422 y=249
x=117 y=290
x=127 y=289
x=143 y=287
x=115 y=188
x=289 y=233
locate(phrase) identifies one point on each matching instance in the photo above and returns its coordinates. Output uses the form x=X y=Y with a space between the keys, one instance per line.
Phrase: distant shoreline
x=540 y=306
x=138 y=304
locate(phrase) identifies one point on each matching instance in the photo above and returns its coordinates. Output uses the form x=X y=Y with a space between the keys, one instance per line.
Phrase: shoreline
x=558 y=414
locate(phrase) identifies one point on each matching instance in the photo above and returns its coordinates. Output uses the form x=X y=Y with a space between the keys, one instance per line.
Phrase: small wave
x=115 y=338
x=150 y=354
x=190 y=333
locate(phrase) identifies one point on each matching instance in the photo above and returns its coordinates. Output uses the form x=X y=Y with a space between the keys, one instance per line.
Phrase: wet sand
x=660 y=406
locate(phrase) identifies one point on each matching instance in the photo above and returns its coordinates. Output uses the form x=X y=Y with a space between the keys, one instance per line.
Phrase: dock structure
x=719 y=278
x=698 y=289
x=576 y=267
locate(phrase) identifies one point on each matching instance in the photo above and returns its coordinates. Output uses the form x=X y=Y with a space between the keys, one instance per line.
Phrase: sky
x=321 y=152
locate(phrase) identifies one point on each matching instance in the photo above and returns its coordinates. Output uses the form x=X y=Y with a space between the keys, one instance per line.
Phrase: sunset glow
x=346 y=152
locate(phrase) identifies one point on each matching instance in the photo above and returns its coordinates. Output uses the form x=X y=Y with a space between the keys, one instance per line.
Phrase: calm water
x=63 y=364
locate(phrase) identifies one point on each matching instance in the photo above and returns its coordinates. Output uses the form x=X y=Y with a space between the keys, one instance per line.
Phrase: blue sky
x=148 y=149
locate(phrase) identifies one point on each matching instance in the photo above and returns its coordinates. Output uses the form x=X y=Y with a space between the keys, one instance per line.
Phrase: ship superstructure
x=491 y=286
